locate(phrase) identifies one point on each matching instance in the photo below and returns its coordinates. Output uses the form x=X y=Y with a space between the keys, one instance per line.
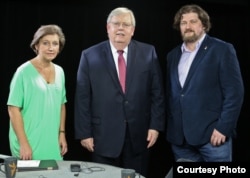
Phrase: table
x=99 y=171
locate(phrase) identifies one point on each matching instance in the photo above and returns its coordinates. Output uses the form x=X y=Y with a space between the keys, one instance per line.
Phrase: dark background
x=84 y=24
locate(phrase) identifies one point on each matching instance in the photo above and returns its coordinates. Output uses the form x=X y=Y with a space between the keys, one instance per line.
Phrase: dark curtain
x=84 y=24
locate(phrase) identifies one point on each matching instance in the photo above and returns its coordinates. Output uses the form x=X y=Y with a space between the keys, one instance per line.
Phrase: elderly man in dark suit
x=204 y=91
x=119 y=112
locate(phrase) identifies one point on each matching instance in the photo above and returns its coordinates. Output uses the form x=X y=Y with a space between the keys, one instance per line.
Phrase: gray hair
x=119 y=11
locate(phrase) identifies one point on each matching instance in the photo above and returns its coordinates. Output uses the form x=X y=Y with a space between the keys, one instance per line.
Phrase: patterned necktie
x=122 y=69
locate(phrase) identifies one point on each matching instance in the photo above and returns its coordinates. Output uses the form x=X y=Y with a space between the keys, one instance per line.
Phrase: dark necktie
x=122 y=69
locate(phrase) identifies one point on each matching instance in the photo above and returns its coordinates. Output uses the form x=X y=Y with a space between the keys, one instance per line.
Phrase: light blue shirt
x=186 y=60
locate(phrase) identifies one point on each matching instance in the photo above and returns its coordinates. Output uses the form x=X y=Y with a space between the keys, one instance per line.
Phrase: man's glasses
x=123 y=24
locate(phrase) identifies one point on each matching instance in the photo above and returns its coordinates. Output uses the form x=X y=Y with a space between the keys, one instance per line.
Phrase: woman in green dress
x=36 y=102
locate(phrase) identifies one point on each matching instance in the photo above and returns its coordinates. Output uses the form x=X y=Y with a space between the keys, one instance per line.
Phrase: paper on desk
x=28 y=163
x=4 y=156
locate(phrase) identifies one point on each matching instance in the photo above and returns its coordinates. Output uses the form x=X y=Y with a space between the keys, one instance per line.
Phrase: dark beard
x=190 y=39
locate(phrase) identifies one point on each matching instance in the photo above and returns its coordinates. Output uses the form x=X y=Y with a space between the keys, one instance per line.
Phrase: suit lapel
x=176 y=63
x=131 y=64
x=110 y=65
x=198 y=58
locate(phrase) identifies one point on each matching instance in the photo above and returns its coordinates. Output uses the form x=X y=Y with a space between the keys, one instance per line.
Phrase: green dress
x=40 y=105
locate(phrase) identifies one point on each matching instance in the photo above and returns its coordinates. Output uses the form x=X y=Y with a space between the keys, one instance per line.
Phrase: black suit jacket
x=103 y=111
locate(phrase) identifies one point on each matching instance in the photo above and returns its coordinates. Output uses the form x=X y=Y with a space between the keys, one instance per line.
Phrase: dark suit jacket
x=102 y=110
x=211 y=97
